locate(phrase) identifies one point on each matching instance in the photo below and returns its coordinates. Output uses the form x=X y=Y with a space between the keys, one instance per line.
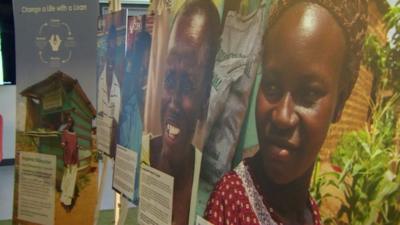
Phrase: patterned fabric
x=236 y=200
x=352 y=16
x=254 y=197
x=229 y=204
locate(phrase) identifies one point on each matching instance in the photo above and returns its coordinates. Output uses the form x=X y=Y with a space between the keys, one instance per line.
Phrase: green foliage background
x=367 y=161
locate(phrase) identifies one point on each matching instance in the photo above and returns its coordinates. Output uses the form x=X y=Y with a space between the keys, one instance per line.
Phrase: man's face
x=298 y=95
x=182 y=98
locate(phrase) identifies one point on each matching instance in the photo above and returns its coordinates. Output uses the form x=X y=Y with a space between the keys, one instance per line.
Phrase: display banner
x=200 y=100
x=184 y=47
x=215 y=113
x=111 y=49
x=241 y=98
x=56 y=70
x=133 y=90
x=273 y=109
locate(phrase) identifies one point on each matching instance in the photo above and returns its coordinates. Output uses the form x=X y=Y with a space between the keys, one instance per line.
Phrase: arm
x=63 y=140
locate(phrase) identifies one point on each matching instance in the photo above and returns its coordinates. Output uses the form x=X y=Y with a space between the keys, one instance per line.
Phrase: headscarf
x=352 y=17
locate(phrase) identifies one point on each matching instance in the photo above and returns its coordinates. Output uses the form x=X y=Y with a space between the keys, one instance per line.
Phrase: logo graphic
x=55 y=42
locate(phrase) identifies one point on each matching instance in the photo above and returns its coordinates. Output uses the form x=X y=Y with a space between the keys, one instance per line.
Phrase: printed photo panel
x=182 y=58
x=133 y=90
x=111 y=49
x=56 y=171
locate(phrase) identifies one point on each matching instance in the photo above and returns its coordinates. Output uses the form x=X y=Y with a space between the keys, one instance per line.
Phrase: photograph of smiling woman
x=310 y=60
x=193 y=43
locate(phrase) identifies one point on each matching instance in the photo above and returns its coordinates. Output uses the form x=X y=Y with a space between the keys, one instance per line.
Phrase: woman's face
x=70 y=123
x=298 y=96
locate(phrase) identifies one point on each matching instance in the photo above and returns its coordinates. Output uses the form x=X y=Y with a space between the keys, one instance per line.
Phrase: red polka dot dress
x=234 y=203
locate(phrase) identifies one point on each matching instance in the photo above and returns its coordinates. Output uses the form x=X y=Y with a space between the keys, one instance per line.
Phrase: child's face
x=298 y=95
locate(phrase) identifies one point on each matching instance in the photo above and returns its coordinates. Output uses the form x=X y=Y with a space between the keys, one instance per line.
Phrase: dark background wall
x=7 y=37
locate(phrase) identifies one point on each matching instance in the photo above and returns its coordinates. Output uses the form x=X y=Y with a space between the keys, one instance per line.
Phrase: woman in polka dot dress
x=310 y=61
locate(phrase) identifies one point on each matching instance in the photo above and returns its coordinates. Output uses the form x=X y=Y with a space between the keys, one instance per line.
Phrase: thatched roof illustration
x=59 y=78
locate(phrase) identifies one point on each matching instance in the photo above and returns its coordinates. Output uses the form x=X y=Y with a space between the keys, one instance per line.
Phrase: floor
x=6 y=191
x=7 y=188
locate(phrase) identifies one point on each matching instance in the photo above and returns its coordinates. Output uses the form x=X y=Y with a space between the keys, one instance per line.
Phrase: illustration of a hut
x=49 y=102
